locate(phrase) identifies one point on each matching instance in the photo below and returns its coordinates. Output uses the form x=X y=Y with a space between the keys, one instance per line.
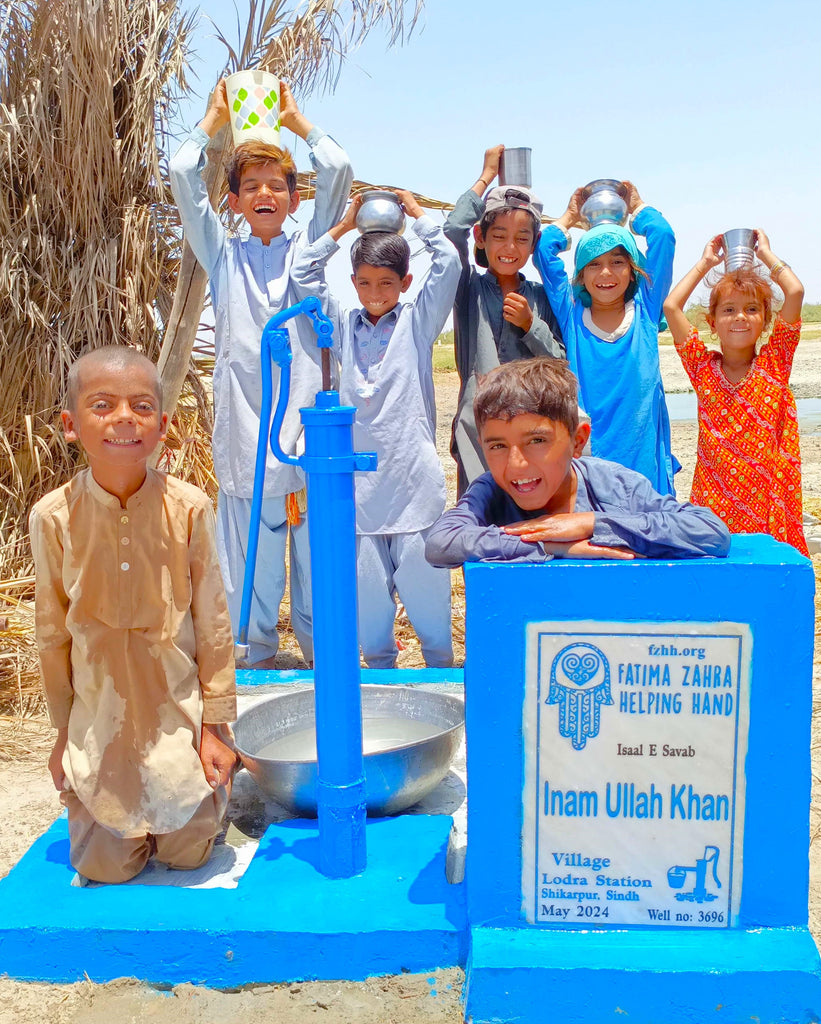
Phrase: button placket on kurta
x=125 y=610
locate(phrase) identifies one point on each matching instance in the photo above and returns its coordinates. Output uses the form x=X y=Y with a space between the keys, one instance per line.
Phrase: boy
x=133 y=633
x=498 y=316
x=541 y=501
x=385 y=350
x=249 y=280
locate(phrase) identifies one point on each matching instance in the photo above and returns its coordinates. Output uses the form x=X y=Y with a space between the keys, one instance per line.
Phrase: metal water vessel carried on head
x=739 y=249
x=514 y=167
x=605 y=203
x=380 y=211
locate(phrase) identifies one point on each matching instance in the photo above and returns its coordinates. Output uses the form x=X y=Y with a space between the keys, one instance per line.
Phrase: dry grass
x=88 y=248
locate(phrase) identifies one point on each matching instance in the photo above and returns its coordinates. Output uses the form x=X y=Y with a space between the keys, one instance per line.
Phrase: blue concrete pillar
x=638 y=789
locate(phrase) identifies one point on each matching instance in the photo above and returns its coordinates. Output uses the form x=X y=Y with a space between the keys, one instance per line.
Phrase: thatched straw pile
x=88 y=235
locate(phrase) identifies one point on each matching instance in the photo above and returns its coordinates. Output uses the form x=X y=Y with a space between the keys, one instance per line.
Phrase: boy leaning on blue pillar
x=542 y=500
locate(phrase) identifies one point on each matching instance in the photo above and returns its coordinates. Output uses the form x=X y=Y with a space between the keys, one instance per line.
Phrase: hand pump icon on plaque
x=677 y=876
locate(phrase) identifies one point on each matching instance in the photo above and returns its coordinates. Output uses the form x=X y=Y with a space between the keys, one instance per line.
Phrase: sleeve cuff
x=425 y=226
x=605 y=534
x=561 y=231
x=59 y=714
x=634 y=226
x=324 y=247
x=200 y=136
x=314 y=136
x=218 y=710
x=477 y=203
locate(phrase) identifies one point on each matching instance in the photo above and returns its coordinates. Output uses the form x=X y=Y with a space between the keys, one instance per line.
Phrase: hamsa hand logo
x=579 y=684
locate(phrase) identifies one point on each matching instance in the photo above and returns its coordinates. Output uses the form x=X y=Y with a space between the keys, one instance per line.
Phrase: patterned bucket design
x=253 y=97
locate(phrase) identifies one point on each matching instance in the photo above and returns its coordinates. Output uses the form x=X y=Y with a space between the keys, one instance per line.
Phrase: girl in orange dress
x=748 y=466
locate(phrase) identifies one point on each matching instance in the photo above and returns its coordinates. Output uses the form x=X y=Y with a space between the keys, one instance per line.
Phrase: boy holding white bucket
x=250 y=281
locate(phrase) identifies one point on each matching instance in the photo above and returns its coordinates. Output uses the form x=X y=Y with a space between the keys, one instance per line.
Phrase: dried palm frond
x=307 y=190
x=307 y=44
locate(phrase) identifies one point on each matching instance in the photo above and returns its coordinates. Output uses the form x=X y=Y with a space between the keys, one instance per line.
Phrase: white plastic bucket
x=253 y=99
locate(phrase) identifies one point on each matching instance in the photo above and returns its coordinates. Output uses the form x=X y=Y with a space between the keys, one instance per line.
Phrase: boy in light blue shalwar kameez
x=385 y=352
x=250 y=281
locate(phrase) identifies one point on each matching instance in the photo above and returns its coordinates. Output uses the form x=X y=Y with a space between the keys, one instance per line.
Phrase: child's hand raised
x=631 y=197
x=290 y=116
x=348 y=222
x=516 y=310
x=762 y=243
x=713 y=252
x=218 y=113
x=572 y=216
x=409 y=203
x=490 y=169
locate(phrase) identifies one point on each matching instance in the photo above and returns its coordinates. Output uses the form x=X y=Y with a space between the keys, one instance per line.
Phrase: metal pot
x=739 y=249
x=380 y=211
x=410 y=737
x=514 y=167
x=605 y=203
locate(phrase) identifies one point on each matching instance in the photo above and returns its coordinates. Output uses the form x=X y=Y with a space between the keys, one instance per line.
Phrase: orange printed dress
x=748 y=465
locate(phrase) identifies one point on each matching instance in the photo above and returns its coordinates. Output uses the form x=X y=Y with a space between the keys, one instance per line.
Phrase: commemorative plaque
x=635 y=736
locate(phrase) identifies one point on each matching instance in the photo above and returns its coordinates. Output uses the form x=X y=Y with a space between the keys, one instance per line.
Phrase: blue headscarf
x=595 y=243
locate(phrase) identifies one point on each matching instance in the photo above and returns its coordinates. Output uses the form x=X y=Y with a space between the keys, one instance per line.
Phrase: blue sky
x=711 y=110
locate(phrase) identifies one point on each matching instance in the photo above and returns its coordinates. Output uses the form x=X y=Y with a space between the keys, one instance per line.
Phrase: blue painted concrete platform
x=764 y=975
x=284 y=922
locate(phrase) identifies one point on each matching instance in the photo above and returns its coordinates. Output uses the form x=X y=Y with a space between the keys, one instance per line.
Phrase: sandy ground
x=28 y=805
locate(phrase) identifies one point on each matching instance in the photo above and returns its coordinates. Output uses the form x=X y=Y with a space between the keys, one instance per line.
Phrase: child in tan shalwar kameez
x=134 y=636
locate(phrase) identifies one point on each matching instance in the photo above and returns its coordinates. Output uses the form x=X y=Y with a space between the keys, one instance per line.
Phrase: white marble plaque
x=635 y=736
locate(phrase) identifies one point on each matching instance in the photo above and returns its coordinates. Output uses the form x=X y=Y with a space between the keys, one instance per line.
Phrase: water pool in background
x=684 y=407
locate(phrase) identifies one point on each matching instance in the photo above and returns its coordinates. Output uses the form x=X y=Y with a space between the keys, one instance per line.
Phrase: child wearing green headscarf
x=609 y=317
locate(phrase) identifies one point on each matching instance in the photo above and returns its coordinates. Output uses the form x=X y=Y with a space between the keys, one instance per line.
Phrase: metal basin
x=410 y=737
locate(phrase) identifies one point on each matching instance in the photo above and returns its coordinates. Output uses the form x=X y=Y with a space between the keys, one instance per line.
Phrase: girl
x=609 y=318
x=748 y=468
x=498 y=316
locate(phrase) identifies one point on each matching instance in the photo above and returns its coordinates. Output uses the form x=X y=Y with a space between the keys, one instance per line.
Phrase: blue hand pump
x=329 y=463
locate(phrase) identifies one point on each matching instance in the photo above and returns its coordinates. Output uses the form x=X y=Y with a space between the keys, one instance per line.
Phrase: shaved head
x=114 y=357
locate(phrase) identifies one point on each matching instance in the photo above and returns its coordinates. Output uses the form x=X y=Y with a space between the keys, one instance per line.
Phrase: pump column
x=330 y=462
